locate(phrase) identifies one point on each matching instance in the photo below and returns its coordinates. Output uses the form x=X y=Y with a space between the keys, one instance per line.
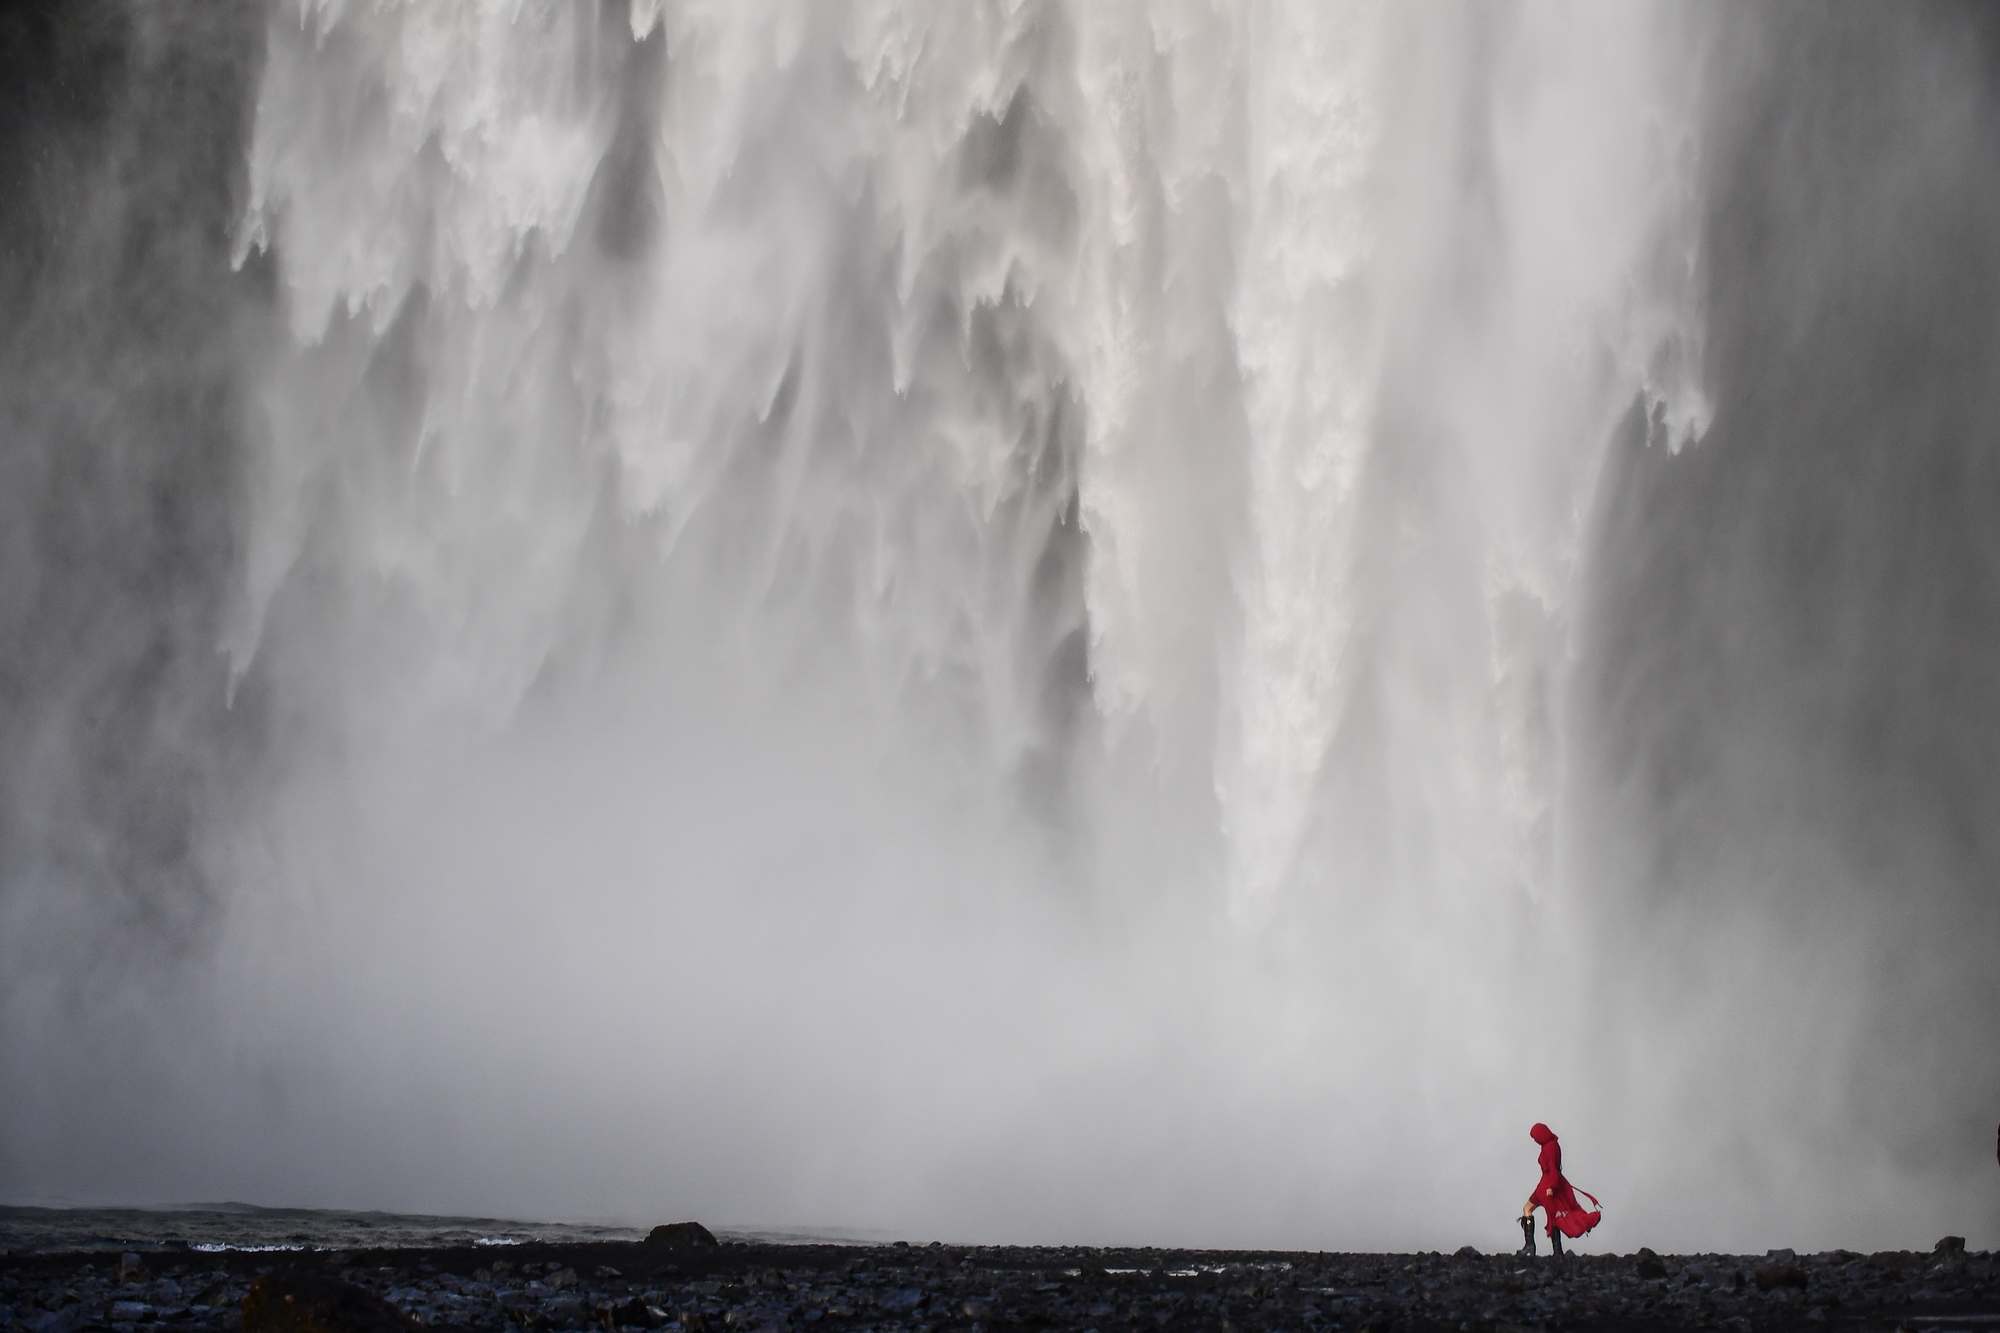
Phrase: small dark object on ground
x=682 y=1234
x=1649 y=1267
x=1773 y=1276
x=1951 y=1247
x=305 y=1302
x=635 y=1313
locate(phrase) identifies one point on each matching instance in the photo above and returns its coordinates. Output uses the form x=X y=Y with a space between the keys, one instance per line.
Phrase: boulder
x=1649 y=1268
x=900 y=1300
x=682 y=1235
x=57 y=1321
x=293 y=1302
x=1773 y=1276
x=635 y=1313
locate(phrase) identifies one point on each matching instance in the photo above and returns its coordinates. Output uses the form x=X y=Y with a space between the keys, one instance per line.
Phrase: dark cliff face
x=1789 y=694
x=121 y=138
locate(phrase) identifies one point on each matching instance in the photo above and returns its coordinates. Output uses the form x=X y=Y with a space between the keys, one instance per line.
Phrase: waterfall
x=1007 y=482
x=1079 y=365
x=982 y=616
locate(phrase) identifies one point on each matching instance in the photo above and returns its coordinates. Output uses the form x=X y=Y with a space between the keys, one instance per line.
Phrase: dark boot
x=1556 y=1242
x=1527 y=1250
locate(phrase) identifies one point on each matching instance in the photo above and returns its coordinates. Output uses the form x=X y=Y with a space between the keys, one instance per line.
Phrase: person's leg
x=1555 y=1239
x=1527 y=1250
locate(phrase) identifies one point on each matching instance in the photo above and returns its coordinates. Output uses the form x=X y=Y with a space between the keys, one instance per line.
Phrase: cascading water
x=863 y=314
x=1032 y=404
x=954 y=616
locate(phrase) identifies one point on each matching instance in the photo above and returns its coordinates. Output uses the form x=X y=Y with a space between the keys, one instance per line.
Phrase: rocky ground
x=690 y=1284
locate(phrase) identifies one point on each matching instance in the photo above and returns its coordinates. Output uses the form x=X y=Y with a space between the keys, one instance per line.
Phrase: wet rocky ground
x=747 y=1286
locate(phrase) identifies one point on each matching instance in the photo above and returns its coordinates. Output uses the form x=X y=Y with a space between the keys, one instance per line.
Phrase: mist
x=1117 y=622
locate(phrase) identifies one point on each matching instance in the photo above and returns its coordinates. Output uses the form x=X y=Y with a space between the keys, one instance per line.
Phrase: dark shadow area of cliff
x=122 y=130
x=1792 y=681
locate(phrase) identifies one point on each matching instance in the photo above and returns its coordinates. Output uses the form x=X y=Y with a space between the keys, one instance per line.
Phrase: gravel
x=553 y=1289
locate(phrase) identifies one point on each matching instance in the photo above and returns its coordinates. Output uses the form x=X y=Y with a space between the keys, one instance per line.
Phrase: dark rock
x=679 y=1235
x=561 y=1278
x=1465 y=1252
x=1649 y=1268
x=900 y=1299
x=1950 y=1248
x=1773 y=1276
x=57 y=1321
x=635 y=1313
x=293 y=1302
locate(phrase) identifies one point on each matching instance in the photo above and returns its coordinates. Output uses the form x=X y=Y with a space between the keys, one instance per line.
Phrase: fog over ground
x=1123 y=622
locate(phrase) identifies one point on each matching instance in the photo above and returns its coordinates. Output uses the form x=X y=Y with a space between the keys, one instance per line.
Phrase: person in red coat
x=1556 y=1198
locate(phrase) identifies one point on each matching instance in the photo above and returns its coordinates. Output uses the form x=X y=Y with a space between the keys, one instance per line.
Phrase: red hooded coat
x=1553 y=1194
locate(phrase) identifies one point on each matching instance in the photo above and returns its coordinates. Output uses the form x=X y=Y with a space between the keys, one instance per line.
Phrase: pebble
x=777 y=1288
